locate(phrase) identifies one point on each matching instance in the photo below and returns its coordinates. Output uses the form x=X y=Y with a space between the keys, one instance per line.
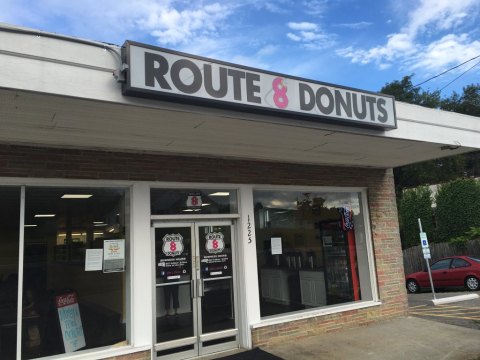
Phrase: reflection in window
x=9 y=243
x=66 y=308
x=193 y=202
x=441 y=264
x=311 y=250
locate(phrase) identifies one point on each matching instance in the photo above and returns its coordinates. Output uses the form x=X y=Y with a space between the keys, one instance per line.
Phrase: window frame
x=330 y=309
x=111 y=350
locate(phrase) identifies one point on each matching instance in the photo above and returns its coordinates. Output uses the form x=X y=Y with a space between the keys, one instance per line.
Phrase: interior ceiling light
x=44 y=215
x=220 y=193
x=31 y=225
x=206 y=204
x=76 y=196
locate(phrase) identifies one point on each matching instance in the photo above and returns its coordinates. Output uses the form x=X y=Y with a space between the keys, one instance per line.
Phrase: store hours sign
x=172 y=76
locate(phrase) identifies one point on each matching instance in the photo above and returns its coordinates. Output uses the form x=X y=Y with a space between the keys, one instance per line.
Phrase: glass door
x=194 y=289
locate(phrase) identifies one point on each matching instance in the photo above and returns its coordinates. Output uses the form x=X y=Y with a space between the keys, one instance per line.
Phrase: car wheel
x=472 y=283
x=412 y=286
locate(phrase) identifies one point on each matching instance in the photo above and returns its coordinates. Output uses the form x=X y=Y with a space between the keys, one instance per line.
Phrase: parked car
x=454 y=271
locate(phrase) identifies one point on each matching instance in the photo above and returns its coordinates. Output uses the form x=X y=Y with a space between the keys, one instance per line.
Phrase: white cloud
x=355 y=26
x=302 y=26
x=450 y=49
x=439 y=15
x=172 y=22
x=310 y=35
x=415 y=45
x=315 y=7
x=267 y=50
x=171 y=26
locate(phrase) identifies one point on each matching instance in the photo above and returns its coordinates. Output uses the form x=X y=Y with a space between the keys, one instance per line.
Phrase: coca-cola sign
x=66 y=299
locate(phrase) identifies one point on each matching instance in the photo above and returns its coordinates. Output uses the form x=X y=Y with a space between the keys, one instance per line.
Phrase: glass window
x=459 y=263
x=441 y=264
x=65 y=307
x=9 y=245
x=193 y=201
x=474 y=259
x=311 y=250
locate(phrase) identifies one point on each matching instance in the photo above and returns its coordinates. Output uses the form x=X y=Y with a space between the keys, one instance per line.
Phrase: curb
x=455 y=299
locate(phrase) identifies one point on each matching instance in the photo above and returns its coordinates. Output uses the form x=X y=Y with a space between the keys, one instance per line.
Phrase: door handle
x=192 y=289
x=201 y=290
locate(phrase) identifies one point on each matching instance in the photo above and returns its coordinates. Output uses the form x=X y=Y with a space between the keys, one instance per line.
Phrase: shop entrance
x=195 y=307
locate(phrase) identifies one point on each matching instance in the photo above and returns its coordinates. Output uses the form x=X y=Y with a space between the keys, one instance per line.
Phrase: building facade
x=157 y=204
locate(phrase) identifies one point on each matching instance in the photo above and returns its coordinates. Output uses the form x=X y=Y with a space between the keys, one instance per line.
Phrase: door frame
x=197 y=339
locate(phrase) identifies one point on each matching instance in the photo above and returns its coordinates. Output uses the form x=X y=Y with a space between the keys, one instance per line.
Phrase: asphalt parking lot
x=463 y=313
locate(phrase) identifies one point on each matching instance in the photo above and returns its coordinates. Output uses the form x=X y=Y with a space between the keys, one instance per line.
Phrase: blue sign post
x=426 y=254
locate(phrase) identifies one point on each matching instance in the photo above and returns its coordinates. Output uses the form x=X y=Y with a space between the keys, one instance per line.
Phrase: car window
x=459 y=263
x=473 y=259
x=441 y=264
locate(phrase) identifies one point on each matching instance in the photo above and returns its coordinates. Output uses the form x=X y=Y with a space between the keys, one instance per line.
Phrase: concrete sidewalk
x=405 y=338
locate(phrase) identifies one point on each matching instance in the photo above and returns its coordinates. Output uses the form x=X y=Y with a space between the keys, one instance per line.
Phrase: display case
x=338 y=270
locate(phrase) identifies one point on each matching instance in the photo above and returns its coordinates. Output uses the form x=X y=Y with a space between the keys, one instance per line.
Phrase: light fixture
x=44 y=215
x=76 y=196
x=206 y=204
x=100 y=224
x=31 y=225
x=220 y=193
x=98 y=233
x=187 y=210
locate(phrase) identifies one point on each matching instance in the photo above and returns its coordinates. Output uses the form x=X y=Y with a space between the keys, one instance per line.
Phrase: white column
x=141 y=267
x=248 y=278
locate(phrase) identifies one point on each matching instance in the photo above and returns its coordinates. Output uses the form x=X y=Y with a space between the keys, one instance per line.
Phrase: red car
x=453 y=271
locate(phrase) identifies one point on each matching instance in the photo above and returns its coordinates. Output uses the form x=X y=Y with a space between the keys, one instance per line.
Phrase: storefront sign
x=70 y=322
x=114 y=255
x=165 y=74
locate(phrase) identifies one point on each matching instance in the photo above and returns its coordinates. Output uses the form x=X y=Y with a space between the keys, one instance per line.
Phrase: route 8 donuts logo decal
x=214 y=243
x=172 y=245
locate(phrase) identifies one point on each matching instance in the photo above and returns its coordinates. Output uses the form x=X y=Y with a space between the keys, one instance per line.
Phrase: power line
x=446 y=71
x=460 y=75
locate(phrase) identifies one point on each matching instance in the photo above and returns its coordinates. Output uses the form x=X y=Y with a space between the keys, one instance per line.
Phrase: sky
x=362 y=44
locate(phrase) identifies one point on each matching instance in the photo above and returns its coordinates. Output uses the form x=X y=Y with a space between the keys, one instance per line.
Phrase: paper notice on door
x=93 y=259
x=276 y=244
x=114 y=255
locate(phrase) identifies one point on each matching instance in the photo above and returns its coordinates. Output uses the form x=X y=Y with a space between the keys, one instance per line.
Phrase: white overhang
x=59 y=91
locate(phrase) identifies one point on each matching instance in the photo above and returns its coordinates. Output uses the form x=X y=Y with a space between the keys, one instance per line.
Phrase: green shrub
x=414 y=204
x=458 y=208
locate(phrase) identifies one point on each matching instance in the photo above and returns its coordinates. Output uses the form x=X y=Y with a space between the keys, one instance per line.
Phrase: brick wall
x=22 y=161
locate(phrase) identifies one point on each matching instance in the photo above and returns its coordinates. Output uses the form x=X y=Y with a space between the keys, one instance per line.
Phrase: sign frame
x=129 y=89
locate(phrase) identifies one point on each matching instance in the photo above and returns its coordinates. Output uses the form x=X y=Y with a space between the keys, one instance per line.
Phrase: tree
x=413 y=205
x=404 y=90
x=438 y=170
x=458 y=208
x=468 y=103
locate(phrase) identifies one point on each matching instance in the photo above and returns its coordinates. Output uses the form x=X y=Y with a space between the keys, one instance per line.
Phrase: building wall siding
x=25 y=161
